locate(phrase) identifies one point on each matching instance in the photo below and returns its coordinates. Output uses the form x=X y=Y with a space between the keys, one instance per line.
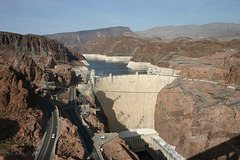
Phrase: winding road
x=49 y=142
x=91 y=150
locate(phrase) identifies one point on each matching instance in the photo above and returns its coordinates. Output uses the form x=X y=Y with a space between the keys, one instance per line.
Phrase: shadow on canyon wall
x=229 y=150
x=107 y=106
x=8 y=128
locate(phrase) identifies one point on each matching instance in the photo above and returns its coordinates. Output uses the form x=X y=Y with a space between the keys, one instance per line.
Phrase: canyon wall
x=26 y=62
x=199 y=116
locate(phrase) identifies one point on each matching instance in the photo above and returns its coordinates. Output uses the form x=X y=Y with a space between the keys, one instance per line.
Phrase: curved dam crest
x=129 y=100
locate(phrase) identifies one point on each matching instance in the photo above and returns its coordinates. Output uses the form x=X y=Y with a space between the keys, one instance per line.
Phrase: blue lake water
x=103 y=68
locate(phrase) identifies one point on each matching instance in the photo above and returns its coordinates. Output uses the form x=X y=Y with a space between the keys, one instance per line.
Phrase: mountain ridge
x=79 y=37
x=221 y=31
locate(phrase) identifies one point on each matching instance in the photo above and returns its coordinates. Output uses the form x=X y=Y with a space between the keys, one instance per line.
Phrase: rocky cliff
x=21 y=121
x=197 y=116
x=15 y=90
x=116 y=148
x=26 y=62
x=36 y=57
x=76 y=38
x=34 y=45
x=70 y=145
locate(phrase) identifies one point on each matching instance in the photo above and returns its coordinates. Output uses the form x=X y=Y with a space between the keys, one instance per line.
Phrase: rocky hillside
x=111 y=46
x=38 y=58
x=70 y=145
x=34 y=45
x=15 y=90
x=222 y=67
x=197 y=116
x=156 y=53
x=21 y=123
x=116 y=148
x=26 y=62
x=221 y=31
x=76 y=38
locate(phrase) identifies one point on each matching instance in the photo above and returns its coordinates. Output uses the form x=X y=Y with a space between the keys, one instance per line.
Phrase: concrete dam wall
x=129 y=100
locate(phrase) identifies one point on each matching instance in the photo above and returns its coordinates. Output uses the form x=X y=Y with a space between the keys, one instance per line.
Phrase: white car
x=53 y=135
x=103 y=137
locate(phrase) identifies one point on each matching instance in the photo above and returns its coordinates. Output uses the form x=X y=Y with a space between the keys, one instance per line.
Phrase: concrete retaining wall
x=159 y=145
x=124 y=59
x=153 y=69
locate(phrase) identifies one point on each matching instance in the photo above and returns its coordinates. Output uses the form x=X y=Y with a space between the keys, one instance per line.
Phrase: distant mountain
x=76 y=38
x=111 y=46
x=220 y=31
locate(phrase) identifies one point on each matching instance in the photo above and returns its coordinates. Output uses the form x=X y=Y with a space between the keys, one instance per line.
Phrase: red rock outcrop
x=65 y=75
x=35 y=58
x=197 y=116
x=22 y=131
x=34 y=45
x=70 y=146
x=13 y=90
x=39 y=47
x=234 y=74
x=117 y=149
x=95 y=123
x=23 y=67
x=21 y=122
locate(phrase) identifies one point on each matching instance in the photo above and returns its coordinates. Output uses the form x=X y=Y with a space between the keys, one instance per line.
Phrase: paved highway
x=46 y=151
x=91 y=150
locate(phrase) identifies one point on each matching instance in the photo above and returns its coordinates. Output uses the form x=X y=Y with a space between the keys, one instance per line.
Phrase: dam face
x=129 y=100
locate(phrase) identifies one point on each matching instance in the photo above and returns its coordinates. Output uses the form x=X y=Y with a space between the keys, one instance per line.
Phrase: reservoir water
x=103 y=68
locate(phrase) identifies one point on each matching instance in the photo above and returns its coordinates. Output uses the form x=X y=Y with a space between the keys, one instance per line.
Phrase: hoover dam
x=129 y=100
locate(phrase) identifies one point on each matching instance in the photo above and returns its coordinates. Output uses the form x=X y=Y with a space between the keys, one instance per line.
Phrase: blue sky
x=55 y=16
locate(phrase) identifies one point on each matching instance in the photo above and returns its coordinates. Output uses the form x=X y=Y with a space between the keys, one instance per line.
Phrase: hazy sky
x=54 y=16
